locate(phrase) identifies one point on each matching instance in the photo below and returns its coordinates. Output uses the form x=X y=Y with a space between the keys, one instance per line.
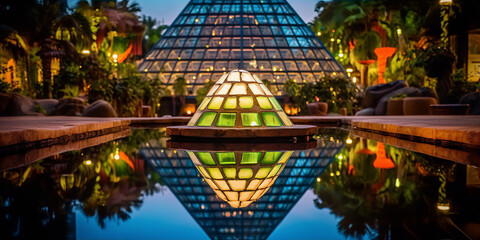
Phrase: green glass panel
x=215 y=173
x=275 y=103
x=226 y=120
x=264 y=103
x=225 y=158
x=204 y=103
x=271 y=119
x=206 y=158
x=230 y=172
x=245 y=102
x=285 y=119
x=251 y=157
x=230 y=103
x=245 y=173
x=262 y=172
x=215 y=103
x=274 y=171
x=251 y=119
x=207 y=119
x=271 y=157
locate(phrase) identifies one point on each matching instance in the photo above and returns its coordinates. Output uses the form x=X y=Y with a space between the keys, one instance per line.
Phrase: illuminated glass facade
x=265 y=37
x=255 y=221
x=239 y=99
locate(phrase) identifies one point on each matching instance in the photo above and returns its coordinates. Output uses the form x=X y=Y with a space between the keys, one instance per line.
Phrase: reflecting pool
x=339 y=187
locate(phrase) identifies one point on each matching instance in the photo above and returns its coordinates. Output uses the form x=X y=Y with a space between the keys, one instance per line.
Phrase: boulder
x=99 y=108
x=428 y=92
x=317 y=108
x=381 y=108
x=70 y=107
x=18 y=105
x=376 y=92
x=4 y=101
x=48 y=104
x=366 y=112
x=472 y=99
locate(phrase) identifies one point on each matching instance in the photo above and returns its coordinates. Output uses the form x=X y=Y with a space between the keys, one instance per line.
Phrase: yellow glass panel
x=273 y=181
x=286 y=121
x=265 y=89
x=193 y=158
x=224 y=89
x=247 y=77
x=275 y=103
x=274 y=171
x=204 y=103
x=215 y=173
x=221 y=195
x=203 y=172
x=235 y=204
x=212 y=185
x=234 y=77
x=257 y=195
x=230 y=172
x=245 y=102
x=244 y=196
x=222 y=79
x=265 y=183
x=245 y=173
x=257 y=78
x=212 y=90
x=239 y=89
x=246 y=203
x=194 y=119
x=254 y=184
x=216 y=103
x=230 y=103
x=222 y=185
x=262 y=172
x=285 y=157
x=264 y=103
x=232 y=196
x=255 y=88
x=237 y=185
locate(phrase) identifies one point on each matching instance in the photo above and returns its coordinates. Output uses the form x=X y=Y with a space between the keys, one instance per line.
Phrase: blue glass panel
x=292 y=42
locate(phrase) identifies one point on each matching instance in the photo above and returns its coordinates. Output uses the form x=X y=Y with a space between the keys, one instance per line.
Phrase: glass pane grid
x=237 y=36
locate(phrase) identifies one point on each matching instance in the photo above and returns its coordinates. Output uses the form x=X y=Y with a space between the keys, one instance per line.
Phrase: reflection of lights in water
x=88 y=162
x=319 y=179
x=397 y=182
x=443 y=207
x=348 y=141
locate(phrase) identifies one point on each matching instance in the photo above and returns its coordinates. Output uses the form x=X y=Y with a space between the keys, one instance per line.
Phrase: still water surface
x=345 y=187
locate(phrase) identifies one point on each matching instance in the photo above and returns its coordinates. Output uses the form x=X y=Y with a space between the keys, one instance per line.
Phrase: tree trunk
x=47 y=76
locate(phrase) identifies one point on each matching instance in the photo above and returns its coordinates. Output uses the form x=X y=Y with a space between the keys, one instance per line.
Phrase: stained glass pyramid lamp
x=239 y=178
x=239 y=105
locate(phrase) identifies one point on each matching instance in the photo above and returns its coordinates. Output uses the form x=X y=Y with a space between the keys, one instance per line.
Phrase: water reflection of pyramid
x=214 y=215
x=266 y=37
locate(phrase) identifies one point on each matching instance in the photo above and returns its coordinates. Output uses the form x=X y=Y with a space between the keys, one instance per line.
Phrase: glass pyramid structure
x=257 y=220
x=265 y=37
x=239 y=99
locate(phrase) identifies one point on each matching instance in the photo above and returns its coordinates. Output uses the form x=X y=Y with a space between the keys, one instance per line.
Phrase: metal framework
x=217 y=218
x=265 y=37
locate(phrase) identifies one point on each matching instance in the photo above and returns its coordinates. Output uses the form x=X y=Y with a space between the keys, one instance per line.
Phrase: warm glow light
x=85 y=51
x=349 y=141
x=354 y=79
x=88 y=162
x=397 y=182
x=443 y=207
x=331 y=174
x=446 y=2
x=319 y=34
x=340 y=55
x=117 y=156
x=349 y=70
x=399 y=31
x=332 y=39
x=337 y=173
x=340 y=157
x=319 y=179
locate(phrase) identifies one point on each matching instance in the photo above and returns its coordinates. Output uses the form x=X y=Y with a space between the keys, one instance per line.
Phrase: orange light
x=189 y=109
x=382 y=161
x=382 y=55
